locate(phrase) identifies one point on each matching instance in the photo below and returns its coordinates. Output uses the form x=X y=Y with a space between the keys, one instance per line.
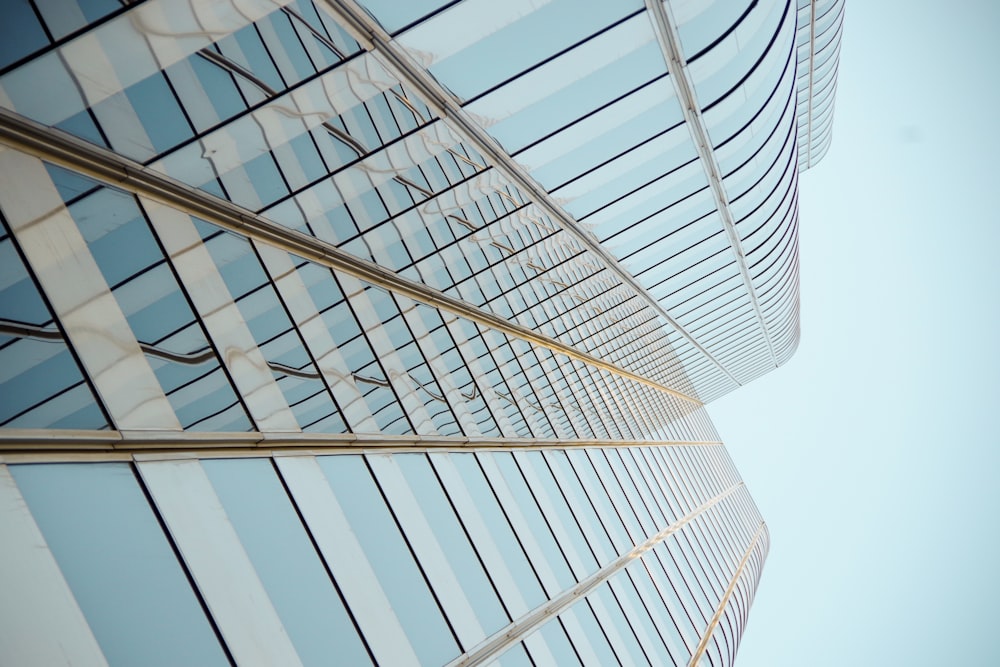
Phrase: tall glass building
x=380 y=331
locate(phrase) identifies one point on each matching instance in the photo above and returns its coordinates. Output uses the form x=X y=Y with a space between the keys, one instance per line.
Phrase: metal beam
x=506 y=637
x=666 y=33
x=43 y=442
x=706 y=636
x=62 y=149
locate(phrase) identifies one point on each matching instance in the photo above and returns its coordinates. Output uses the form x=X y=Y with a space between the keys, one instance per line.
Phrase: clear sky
x=873 y=454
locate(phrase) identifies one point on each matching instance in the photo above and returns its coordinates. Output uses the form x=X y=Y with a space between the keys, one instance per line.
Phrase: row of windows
x=240 y=335
x=457 y=545
x=287 y=116
x=259 y=179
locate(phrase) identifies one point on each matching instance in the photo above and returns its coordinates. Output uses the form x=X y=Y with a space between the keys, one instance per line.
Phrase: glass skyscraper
x=380 y=332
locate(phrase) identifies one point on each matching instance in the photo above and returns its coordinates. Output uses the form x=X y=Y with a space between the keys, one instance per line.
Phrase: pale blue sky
x=873 y=453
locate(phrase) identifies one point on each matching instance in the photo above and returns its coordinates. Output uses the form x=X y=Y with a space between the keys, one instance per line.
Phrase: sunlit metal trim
x=516 y=631
x=44 y=442
x=65 y=150
x=666 y=34
x=706 y=636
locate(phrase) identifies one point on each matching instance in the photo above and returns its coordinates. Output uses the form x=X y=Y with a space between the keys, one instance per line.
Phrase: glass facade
x=381 y=333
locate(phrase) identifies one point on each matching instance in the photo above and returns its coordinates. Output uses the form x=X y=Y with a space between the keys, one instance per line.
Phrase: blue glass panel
x=159 y=112
x=536 y=520
x=20 y=32
x=590 y=92
x=45 y=368
x=19 y=297
x=394 y=15
x=82 y=125
x=41 y=385
x=558 y=644
x=69 y=183
x=286 y=561
x=245 y=47
x=454 y=542
x=290 y=44
x=117 y=234
x=391 y=559
x=526 y=42
x=219 y=86
x=122 y=570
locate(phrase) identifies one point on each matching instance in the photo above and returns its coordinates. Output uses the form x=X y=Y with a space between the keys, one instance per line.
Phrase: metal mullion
x=652 y=507
x=666 y=587
x=522 y=626
x=504 y=377
x=595 y=400
x=85 y=376
x=703 y=600
x=654 y=482
x=435 y=375
x=509 y=374
x=564 y=395
x=540 y=381
x=443 y=326
x=682 y=494
x=606 y=401
x=706 y=637
x=666 y=32
x=217 y=211
x=577 y=387
x=528 y=382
